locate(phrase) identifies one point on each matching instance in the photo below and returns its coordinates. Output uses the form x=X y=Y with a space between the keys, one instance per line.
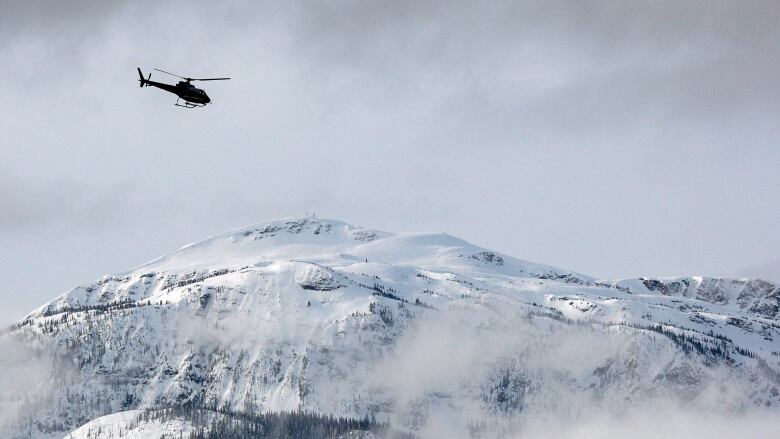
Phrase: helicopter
x=189 y=95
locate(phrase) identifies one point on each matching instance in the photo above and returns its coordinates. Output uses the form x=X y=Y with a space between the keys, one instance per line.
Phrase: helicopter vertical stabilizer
x=143 y=81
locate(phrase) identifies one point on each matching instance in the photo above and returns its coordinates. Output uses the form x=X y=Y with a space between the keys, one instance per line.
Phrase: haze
x=614 y=139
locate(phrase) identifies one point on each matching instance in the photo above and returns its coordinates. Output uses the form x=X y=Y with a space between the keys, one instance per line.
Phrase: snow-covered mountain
x=436 y=335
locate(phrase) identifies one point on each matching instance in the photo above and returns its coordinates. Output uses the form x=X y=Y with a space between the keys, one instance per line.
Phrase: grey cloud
x=544 y=64
x=524 y=67
x=29 y=203
x=57 y=23
x=769 y=271
x=614 y=138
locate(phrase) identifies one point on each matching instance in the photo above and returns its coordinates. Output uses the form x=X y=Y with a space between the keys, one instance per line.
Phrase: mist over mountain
x=426 y=334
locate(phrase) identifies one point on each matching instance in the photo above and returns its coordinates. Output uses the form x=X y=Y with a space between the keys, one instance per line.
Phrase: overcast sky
x=617 y=139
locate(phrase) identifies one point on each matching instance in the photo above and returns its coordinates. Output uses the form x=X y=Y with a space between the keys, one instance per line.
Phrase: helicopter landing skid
x=187 y=104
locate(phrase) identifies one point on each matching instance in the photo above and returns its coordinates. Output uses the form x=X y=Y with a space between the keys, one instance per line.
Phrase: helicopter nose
x=207 y=98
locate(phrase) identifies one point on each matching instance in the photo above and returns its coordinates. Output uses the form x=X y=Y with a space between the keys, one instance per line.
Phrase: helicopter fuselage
x=193 y=96
x=184 y=90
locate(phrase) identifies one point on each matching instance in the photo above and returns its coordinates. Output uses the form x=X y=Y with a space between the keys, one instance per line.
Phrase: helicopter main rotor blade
x=173 y=74
x=208 y=79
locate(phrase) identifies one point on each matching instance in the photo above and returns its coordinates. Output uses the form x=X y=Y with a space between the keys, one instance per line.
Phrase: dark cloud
x=520 y=68
x=37 y=18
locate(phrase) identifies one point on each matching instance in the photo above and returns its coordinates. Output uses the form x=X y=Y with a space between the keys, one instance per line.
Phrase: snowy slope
x=129 y=425
x=425 y=330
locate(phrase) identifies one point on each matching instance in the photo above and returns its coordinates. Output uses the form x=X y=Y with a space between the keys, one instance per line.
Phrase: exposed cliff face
x=424 y=330
x=758 y=297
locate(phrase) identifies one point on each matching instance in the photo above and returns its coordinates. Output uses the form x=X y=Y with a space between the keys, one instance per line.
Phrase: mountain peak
x=286 y=238
x=295 y=225
x=332 y=242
